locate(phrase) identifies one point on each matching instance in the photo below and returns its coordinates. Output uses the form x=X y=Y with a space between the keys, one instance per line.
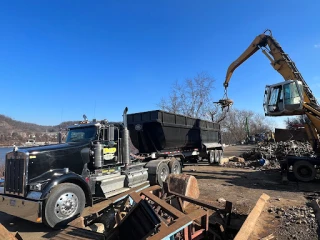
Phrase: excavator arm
x=283 y=64
x=280 y=61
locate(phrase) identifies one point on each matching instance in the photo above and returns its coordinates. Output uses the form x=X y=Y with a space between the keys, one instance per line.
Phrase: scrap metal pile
x=268 y=155
x=279 y=150
x=171 y=212
x=151 y=212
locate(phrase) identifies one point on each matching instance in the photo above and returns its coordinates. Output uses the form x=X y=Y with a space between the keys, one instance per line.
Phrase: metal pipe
x=59 y=136
x=125 y=142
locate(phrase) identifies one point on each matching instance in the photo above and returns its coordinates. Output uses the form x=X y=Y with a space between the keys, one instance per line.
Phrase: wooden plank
x=249 y=224
x=269 y=237
x=5 y=234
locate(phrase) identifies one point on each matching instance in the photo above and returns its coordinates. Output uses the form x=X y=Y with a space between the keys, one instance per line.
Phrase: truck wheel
x=175 y=167
x=162 y=173
x=211 y=156
x=219 y=155
x=304 y=171
x=63 y=204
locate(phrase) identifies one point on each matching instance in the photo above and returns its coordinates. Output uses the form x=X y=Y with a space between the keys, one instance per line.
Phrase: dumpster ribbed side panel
x=158 y=130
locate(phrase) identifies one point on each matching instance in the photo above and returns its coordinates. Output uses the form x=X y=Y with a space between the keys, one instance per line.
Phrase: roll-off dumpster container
x=156 y=131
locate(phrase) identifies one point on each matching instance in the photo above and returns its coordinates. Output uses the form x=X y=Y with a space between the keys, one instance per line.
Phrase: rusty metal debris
x=151 y=212
x=169 y=218
x=268 y=155
x=279 y=150
x=171 y=212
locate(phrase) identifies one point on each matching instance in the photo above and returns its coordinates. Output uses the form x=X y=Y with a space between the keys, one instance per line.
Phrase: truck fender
x=69 y=177
x=153 y=171
x=153 y=165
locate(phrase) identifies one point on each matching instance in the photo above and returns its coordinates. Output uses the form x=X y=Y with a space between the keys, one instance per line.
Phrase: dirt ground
x=243 y=187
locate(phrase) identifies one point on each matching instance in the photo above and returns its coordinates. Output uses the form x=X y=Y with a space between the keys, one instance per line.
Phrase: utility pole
x=247 y=129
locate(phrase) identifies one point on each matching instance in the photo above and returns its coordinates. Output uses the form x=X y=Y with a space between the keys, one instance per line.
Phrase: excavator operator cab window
x=293 y=97
x=284 y=98
x=275 y=103
x=291 y=94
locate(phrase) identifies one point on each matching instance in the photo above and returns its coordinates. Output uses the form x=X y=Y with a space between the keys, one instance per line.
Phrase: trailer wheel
x=211 y=156
x=304 y=171
x=63 y=204
x=175 y=166
x=162 y=173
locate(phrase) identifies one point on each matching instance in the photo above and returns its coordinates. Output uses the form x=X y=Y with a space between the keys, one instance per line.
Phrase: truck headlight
x=37 y=186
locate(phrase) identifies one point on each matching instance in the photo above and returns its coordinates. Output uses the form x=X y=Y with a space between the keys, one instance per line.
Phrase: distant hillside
x=12 y=131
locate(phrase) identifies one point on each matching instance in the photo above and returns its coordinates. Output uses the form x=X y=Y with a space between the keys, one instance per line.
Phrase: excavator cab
x=285 y=98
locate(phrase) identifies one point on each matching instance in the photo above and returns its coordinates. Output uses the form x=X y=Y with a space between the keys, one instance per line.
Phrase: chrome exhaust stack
x=125 y=141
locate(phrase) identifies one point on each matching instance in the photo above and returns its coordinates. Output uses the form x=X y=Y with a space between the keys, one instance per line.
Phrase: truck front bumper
x=22 y=208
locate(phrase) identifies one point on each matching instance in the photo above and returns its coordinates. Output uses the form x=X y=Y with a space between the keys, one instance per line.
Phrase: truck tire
x=175 y=166
x=63 y=204
x=219 y=155
x=304 y=171
x=162 y=173
x=211 y=156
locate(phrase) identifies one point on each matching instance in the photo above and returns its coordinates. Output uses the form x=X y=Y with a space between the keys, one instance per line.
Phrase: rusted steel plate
x=96 y=208
x=72 y=233
x=175 y=227
x=166 y=207
x=152 y=188
x=179 y=224
x=106 y=203
x=197 y=202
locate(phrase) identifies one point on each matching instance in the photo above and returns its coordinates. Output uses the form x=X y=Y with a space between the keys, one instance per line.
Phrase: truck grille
x=15 y=173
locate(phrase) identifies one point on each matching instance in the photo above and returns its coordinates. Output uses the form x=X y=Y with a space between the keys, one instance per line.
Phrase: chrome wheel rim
x=176 y=169
x=163 y=174
x=66 y=206
x=218 y=156
x=211 y=157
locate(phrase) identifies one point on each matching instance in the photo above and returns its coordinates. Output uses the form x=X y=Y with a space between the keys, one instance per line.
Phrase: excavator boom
x=280 y=61
x=292 y=97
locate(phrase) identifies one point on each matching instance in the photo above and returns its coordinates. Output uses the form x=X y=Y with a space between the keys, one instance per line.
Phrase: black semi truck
x=54 y=183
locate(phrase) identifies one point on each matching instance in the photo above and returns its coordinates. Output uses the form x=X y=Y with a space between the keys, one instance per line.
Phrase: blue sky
x=61 y=59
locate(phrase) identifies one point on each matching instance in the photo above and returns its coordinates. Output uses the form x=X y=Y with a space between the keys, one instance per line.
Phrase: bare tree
x=296 y=122
x=192 y=98
x=234 y=125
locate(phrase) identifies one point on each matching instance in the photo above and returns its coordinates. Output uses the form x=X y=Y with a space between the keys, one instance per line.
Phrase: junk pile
x=171 y=212
x=268 y=155
x=295 y=222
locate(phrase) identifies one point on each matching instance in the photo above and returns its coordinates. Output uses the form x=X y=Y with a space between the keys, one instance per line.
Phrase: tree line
x=193 y=98
x=18 y=132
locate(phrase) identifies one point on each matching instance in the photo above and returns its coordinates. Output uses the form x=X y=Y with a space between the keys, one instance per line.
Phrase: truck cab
x=54 y=183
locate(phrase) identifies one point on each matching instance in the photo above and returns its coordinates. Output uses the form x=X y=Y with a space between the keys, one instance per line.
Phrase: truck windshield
x=81 y=134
